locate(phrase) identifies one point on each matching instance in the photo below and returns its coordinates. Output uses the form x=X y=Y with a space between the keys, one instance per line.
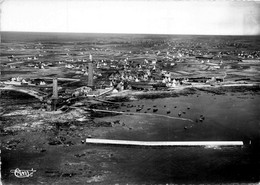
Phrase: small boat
x=138 y=109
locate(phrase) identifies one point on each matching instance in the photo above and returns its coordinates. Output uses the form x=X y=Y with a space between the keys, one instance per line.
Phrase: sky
x=197 y=17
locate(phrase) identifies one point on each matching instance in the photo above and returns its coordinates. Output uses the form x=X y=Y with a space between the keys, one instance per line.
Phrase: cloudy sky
x=132 y=16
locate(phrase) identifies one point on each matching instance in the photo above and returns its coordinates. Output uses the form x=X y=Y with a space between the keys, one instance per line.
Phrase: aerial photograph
x=129 y=92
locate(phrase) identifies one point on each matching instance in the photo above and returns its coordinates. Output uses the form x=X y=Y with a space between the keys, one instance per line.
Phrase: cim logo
x=23 y=173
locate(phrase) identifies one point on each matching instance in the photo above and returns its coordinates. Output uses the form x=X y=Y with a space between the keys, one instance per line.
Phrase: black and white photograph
x=133 y=92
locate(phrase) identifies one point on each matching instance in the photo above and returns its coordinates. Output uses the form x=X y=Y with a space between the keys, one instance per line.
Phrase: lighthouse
x=90 y=71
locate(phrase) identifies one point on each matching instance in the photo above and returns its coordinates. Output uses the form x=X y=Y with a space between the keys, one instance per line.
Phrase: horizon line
x=169 y=34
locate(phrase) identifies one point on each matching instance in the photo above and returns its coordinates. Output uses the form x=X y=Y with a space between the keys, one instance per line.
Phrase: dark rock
x=68 y=174
x=43 y=150
x=12 y=143
x=62 y=138
x=54 y=142
x=117 y=122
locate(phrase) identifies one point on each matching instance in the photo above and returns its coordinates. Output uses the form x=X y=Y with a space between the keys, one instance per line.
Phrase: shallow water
x=227 y=117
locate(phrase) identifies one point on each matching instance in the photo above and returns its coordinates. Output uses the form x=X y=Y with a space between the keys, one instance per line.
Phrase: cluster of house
x=22 y=81
x=126 y=79
x=127 y=74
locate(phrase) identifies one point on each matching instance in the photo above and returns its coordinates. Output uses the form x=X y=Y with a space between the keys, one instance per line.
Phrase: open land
x=145 y=88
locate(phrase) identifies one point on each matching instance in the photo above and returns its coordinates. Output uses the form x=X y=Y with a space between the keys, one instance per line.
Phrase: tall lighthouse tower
x=90 y=71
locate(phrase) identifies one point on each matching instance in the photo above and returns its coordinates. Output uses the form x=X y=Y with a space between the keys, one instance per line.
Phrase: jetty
x=163 y=143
